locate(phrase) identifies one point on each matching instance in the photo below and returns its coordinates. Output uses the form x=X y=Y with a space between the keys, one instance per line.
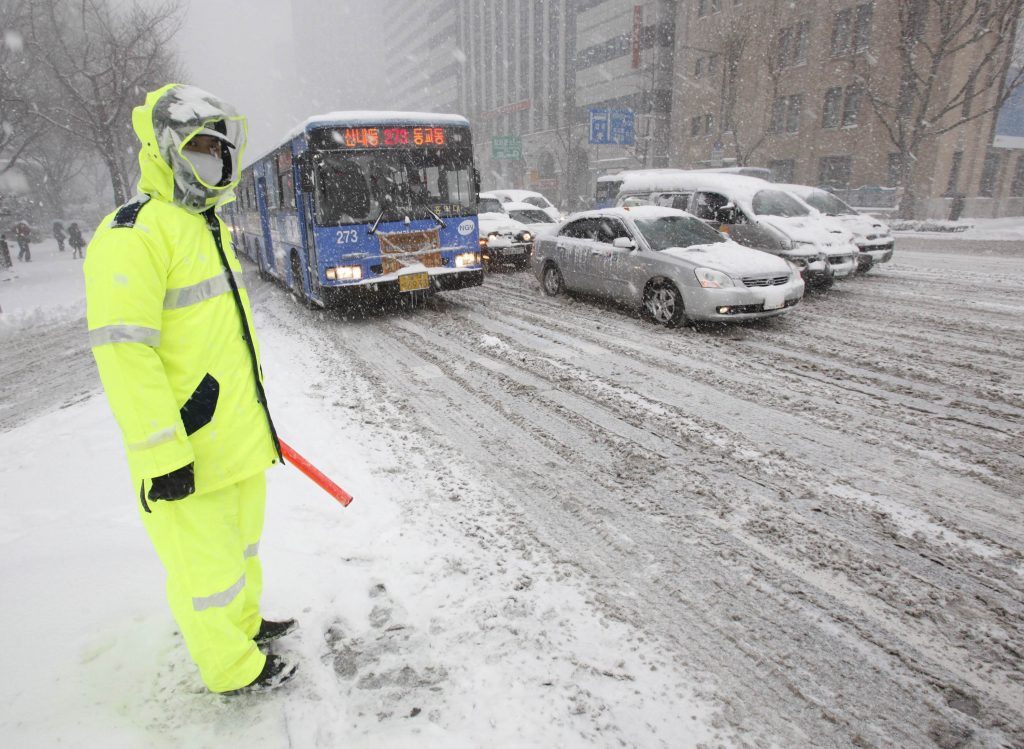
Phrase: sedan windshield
x=534 y=216
x=828 y=204
x=490 y=205
x=777 y=203
x=676 y=231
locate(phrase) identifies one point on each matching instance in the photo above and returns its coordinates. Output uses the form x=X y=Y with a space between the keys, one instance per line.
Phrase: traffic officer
x=171 y=330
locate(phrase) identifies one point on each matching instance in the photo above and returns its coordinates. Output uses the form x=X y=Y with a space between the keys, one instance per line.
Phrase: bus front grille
x=399 y=249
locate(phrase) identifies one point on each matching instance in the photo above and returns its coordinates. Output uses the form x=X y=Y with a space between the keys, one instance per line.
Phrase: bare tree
x=53 y=164
x=18 y=126
x=102 y=62
x=936 y=92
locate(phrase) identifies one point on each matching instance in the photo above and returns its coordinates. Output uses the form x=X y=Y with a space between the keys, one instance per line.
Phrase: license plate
x=514 y=251
x=413 y=282
x=774 y=299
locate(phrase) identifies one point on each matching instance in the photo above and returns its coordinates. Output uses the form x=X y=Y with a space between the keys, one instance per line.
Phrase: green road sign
x=506 y=148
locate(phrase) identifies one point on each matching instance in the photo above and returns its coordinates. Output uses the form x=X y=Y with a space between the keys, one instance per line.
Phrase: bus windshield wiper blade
x=373 y=229
x=438 y=219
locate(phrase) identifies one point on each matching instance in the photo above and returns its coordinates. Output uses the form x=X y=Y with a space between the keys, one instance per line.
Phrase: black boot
x=276 y=671
x=270 y=631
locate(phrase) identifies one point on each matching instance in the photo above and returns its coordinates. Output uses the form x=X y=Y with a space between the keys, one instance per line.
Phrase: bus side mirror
x=476 y=180
x=305 y=172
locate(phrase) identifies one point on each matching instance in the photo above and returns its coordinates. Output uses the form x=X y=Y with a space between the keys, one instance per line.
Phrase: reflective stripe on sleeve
x=198 y=292
x=155 y=439
x=218 y=600
x=124 y=334
x=251 y=550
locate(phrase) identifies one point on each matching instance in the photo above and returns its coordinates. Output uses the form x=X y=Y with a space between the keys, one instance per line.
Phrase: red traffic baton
x=314 y=474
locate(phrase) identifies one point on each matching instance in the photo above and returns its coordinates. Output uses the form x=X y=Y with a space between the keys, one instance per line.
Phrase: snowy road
x=819 y=515
x=815 y=521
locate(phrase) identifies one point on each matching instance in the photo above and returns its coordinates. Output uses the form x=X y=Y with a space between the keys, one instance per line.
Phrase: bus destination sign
x=387 y=137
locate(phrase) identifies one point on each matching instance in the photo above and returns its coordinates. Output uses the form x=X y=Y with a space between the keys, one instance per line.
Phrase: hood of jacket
x=168 y=119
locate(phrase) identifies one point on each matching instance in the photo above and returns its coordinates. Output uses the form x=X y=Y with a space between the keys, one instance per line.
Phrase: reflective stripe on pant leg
x=252 y=504
x=199 y=541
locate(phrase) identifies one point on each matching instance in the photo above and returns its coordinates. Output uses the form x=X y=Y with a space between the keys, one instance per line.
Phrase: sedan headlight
x=344 y=273
x=712 y=279
x=524 y=236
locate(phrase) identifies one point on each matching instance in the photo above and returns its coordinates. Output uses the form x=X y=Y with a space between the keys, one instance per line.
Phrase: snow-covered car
x=536 y=220
x=670 y=264
x=754 y=212
x=504 y=241
x=872 y=236
x=536 y=199
x=489 y=203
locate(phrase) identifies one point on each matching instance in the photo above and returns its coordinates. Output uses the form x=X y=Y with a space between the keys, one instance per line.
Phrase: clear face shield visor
x=213 y=151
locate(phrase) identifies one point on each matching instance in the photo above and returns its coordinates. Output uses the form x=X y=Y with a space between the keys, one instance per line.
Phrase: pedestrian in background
x=22 y=233
x=5 y=253
x=59 y=235
x=76 y=240
x=171 y=329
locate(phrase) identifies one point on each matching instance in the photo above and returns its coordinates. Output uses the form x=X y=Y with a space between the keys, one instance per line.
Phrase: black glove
x=177 y=484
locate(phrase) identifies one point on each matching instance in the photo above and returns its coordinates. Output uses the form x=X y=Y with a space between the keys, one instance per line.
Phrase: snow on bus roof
x=371 y=117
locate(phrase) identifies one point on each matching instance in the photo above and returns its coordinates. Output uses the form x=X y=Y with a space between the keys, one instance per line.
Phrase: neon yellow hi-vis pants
x=208 y=544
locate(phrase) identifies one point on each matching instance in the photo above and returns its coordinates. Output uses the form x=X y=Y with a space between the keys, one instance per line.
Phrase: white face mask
x=209 y=168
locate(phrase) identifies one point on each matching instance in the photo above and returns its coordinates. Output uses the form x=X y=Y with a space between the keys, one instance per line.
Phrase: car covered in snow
x=871 y=235
x=668 y=263
x=536 y=199
x=503 y=240
x=754 y=213
x=533 y=217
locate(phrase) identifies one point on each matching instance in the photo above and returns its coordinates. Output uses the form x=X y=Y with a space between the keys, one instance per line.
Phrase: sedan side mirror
x=624 y=243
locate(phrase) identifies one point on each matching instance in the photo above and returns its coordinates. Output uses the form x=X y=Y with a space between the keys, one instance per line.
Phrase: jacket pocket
x=198 y=409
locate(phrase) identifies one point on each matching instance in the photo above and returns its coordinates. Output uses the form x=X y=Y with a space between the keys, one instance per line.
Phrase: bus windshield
x=358 y=187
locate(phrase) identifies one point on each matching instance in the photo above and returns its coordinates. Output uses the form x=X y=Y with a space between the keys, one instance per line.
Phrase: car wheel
x=663 y=304
x=552 y=282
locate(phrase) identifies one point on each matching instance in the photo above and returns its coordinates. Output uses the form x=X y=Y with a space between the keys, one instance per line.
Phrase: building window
x=794 y=109
x=712 y=65
x=791 y=45
x=698 y=68
x=851 y=106
x=782 y=170
x=954 y=174
x=1017 y=186
x=834 y=172
x=862 y=27
x=778 y=120
x=695 y=126
x=830 y=112
x=702 y=8
x=716 y=5
x=841 y=33
x=895 y=172
x=709 y=124
x=990 y=174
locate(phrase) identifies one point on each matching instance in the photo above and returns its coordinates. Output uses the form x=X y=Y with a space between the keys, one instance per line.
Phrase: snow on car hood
x=499 y=222
x=730 y=257
x=814 y=229
x=862 y=225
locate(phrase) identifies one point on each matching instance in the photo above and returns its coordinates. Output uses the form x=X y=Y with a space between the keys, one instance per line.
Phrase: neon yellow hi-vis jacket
x=172 y=337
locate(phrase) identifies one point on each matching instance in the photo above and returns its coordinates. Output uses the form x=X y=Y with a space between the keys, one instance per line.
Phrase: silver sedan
x=668 y=263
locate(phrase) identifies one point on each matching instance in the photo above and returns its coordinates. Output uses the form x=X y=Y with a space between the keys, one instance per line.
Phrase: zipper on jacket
x=214 y=225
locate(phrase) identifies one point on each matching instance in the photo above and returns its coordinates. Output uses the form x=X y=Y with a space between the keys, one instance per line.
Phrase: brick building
x=788 y=86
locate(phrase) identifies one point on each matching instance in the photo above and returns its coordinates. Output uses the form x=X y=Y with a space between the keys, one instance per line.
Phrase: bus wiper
x=373 y=229
x=438 y=219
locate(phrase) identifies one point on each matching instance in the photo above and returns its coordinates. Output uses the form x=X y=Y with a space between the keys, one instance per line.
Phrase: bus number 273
x=347 y=236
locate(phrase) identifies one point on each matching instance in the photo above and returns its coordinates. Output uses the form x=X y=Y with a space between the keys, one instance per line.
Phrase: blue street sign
x=612 y=127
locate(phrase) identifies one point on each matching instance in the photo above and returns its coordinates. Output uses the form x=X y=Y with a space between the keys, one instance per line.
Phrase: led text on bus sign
x=372 y=137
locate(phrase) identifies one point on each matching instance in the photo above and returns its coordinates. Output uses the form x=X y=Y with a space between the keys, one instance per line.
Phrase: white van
x=752 y=212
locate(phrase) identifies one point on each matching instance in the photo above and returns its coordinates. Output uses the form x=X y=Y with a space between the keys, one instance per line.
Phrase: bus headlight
x=466 y=259
x=344 y=273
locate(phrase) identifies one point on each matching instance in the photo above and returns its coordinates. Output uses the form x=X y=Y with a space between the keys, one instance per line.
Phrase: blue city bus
x=358 y=206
